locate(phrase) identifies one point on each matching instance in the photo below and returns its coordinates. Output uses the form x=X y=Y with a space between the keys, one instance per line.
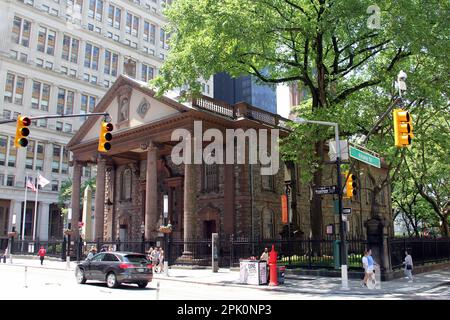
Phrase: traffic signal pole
x=342 y=246
x=52 y=116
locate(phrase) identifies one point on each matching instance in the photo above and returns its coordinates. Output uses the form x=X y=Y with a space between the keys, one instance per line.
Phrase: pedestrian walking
x=408 y=266
x=149 y=255
x=91 y=253
x=265 y=257
x=41 y=254
x=161 y=261
x=155 y=259
x=365 y=263
x=5 y=255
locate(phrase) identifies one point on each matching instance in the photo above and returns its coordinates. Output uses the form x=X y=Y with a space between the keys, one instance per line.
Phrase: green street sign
x=364 y=157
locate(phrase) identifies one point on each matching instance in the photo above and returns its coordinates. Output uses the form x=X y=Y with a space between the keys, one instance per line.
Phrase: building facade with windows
x=60 y=57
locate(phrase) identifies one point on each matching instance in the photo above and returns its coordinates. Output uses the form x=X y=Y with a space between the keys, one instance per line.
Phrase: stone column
x=151 y=192
x=75 y=200
x=190 y=199
x=44 y=214
x=99 y=199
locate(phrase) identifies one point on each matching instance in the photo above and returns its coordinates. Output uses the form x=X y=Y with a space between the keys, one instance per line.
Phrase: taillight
x=125 y=266
x=150 y=266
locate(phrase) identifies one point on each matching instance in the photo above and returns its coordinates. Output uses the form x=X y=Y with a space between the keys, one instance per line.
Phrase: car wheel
x=142 y=284
x=81 y=279
x=111 y=280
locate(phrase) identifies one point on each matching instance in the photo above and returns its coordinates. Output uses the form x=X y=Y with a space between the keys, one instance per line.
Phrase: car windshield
x=135 y=258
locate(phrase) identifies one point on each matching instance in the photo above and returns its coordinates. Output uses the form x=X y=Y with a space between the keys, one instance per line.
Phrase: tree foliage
x=327 y=47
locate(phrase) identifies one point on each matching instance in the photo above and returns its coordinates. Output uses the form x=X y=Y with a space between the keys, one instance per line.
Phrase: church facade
x=232 y=199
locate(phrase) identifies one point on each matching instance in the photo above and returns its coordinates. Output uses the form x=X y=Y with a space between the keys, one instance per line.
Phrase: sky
x=283 y=100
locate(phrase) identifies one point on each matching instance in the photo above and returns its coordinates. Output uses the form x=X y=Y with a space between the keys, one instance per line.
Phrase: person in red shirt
x=41 y=254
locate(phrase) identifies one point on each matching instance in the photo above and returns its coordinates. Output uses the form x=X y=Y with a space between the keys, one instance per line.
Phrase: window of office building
x=91 y=56
x=55 y=185
x=95 y=9
x=114 y=16
x=12 y=153
x=59 y=126
x=10 y=181
x=43 y=123
x=39 y=166
x=149 y=32
x=2 y=179
x=111 y=63
x=56 y=158
x=6 y=114
x=147 y=72
x=132 y=24
x=21 y=31
x=65 y=161
x=87 y=172
x=76 y=5
x=164 y=39
x=70 y=49
x=67 y=127
x=29 y=162
x=46 y=40
x=3 y=149
x=14 y=88
x=40 y=96
x=65 y=101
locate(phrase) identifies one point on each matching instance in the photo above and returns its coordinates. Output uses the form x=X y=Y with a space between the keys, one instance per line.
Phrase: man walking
x=41 y=254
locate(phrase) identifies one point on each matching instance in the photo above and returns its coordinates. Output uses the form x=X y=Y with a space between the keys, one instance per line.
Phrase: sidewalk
x=293 y=283
x=312 y=284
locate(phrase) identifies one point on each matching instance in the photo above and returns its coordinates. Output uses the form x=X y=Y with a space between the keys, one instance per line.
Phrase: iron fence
x=299 y=252
x=422 y=250
x=293 y=253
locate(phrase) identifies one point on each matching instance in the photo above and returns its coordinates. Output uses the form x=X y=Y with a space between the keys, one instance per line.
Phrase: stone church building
x=230 y=199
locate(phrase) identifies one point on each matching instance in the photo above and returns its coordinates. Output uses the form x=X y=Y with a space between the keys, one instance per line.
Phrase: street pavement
x=432 y=285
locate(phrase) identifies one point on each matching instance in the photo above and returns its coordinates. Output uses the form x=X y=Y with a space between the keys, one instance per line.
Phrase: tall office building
x=60 y=57
x=245 y=88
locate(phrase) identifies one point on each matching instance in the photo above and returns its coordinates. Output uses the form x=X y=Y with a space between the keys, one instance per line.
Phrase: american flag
x=30 y=184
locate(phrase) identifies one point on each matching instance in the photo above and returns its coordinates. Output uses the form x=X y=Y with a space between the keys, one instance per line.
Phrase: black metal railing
x=293 y=253
x=422 y=250
x=299 y=252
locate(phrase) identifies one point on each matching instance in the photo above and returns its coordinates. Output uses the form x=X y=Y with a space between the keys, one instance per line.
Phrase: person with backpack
x=41 y=254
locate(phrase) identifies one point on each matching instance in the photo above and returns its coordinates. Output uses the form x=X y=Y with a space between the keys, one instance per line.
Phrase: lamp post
x=12 y=235
x=343 y=249
x=166 y=235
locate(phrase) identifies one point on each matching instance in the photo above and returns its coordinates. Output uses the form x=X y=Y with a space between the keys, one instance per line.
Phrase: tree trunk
x=316 y=202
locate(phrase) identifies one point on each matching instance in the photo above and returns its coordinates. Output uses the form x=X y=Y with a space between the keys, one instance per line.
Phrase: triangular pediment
x=130 y=104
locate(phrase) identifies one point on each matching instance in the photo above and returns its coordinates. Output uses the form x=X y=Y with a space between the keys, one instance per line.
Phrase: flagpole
x=24 y=208
x=35 y=207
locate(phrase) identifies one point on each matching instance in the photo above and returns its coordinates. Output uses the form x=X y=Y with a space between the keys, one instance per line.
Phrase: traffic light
x=402 y=128
x=22 y=131
x=350 y=185
x=105 y=136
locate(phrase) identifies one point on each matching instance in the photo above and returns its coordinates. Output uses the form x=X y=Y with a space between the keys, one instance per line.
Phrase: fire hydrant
x=273 y=267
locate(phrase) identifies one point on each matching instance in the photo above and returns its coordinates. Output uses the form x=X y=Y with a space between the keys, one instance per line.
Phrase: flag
x=42 y=181
x=30 y=184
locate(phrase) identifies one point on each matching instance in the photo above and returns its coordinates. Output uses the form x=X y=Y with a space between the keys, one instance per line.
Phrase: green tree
x=325 y=45
x=65 y=193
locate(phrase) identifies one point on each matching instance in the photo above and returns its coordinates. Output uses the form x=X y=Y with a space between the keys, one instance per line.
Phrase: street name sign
x=364 y=157
x=325 y=190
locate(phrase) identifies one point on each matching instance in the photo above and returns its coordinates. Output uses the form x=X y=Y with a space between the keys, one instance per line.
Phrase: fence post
x=63 y=249
x=309 y=252
x=232 y=249
x=118 y=244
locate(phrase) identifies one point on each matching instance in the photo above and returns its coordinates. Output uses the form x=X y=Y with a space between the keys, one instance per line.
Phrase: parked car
x=115 y=268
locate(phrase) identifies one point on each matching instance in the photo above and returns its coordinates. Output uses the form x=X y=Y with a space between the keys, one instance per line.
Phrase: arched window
x=126 y=185
x=268 y=224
